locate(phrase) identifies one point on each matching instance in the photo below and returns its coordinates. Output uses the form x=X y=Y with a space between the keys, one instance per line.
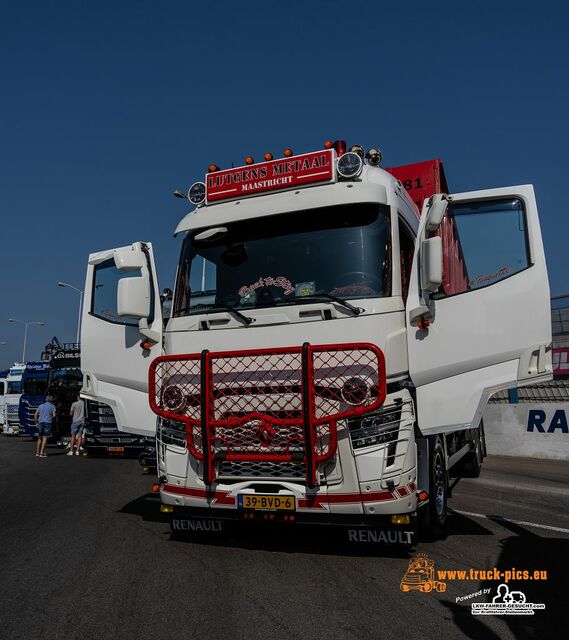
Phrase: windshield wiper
x=246 y=319
x=327 y=296
x=213 y=308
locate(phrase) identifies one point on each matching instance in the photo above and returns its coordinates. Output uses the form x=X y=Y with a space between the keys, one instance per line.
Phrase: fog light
x=400 y=519
x=166 y=508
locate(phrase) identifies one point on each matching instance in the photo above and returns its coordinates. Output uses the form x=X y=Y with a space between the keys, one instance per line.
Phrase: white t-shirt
x=78 y=412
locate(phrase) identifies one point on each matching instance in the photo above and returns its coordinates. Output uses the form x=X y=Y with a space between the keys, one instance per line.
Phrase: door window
x=406 y=249
x=483 y=243
x=105 y=284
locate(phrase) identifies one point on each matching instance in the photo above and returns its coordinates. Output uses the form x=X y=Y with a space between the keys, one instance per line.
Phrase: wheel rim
x=439 y=486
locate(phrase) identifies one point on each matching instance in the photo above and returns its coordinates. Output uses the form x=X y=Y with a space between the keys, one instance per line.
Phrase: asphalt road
x=85 y=553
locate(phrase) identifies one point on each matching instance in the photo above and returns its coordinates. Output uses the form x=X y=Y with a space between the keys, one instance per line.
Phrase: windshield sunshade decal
x=283 y=283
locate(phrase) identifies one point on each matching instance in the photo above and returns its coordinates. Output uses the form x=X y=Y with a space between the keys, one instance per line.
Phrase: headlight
x=349 y=165
x=196 y=193
x=173 y=398
x=355 y=391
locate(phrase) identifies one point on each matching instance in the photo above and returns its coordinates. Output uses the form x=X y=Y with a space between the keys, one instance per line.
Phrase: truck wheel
x=472 y=464
x=432 y=519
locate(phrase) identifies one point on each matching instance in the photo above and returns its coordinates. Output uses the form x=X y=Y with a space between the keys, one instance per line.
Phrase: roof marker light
x=268 y=156
x=328 y=144
x=213 y=167
x=249 y=160
x=288 y=153
x=340 y=146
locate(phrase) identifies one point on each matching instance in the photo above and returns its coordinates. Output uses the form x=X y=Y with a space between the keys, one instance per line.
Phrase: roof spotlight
x=349 y=165
x=357 y=148
x=373 y=157
x=196 y=193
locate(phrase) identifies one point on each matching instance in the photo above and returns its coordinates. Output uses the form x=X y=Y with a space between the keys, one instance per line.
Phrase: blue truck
x=34 y=387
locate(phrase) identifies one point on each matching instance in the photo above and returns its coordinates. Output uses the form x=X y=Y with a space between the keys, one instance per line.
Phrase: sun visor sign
x=275 y=175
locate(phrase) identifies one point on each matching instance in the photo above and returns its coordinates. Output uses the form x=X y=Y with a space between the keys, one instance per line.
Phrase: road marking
x=520 y=522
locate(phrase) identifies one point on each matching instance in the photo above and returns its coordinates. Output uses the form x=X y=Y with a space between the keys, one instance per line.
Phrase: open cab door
x=121 y=333
x=478 y=309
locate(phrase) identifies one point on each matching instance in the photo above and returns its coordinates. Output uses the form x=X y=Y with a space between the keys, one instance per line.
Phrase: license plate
x=258 y=502
x=116 y=449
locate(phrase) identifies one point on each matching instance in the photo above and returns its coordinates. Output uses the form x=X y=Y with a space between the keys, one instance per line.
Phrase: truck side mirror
x=431 y=263
x=436 y=211
x=129 y=259
x=133 y=297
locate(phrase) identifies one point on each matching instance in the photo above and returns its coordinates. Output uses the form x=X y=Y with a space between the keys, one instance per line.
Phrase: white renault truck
x=331 y=345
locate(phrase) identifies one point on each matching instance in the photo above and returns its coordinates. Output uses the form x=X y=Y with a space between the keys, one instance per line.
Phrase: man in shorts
x=44 y=416
x=77 y=414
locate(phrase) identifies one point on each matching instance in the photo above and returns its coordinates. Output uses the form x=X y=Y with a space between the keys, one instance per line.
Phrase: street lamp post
x=80 y=292
x=27 y=324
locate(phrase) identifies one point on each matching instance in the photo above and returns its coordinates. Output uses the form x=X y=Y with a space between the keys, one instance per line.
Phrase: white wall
x=537 y=430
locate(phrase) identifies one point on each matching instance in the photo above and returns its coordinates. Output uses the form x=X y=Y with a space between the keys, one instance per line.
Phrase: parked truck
x=102 y=436
x=3 y=388
x=64 y=383
x=34 y=387
x=12 y=399
x=335 y=333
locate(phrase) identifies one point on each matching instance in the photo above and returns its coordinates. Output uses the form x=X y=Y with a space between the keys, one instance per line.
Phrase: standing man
x=77 y=413
x=44 y=415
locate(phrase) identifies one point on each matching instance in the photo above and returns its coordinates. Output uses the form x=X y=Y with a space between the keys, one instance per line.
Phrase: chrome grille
x=251 y=469
x=118 y=440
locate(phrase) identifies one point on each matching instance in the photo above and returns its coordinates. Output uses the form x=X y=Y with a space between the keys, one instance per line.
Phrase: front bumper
x=353 y=528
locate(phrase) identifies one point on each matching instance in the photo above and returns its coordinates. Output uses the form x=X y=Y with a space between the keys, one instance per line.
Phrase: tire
x=433 y=519
x=472 y=464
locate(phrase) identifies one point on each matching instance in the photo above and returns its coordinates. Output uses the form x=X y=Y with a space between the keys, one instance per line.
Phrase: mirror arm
x=420 y=316
x=147 y=332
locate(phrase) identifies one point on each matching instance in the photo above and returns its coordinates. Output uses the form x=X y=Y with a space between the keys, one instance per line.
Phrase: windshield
x=69 y=377
x=34 y=387
x=14 y=386
x=343 y=251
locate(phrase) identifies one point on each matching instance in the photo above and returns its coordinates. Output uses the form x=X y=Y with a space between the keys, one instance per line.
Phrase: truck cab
x=331 y=346
x=34 y=386
x=12 y=399
x=64 y=383
x=3 y=387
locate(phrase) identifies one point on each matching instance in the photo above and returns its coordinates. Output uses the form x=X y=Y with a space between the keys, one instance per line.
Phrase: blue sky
x=108 y=106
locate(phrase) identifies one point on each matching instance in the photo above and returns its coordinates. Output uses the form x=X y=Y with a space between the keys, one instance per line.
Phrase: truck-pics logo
x=420 y=575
